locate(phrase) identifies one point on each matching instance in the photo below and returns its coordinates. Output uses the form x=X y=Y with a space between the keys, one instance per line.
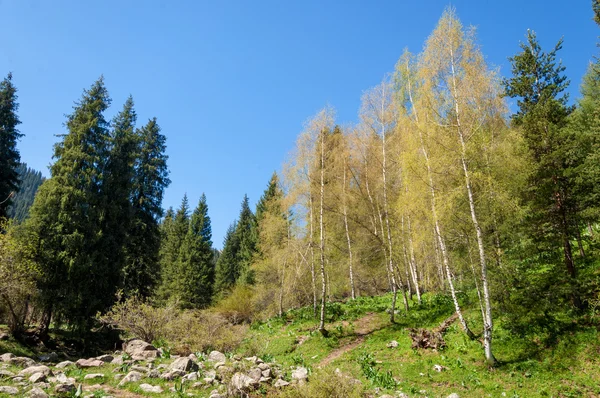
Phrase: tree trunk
x=322 y=237
x=352 y=290
x=312 y=257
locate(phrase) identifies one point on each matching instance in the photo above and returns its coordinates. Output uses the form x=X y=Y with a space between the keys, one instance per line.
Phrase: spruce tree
x=175 y=231
x=67 y=218
x=30 y=181
x=9 y=135
x=226 y=269
x=150 y=179
x=196 y=272
x=247 y=237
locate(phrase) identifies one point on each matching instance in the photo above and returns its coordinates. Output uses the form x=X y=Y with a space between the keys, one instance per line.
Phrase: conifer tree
x=196 y=272
x=226 y=268
x=150 y=179
x=246 y=236
x=30 y=181
x=67 y=218
x=9 y=154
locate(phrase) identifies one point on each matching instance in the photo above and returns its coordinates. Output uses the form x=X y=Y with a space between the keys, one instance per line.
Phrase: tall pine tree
x=9 y=155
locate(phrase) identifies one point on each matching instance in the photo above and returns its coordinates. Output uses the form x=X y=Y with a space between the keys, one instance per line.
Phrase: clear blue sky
x=231 y=82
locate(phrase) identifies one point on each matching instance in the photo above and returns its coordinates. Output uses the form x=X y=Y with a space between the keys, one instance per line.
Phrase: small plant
x=201 y=356
x=124 y=367
x=166 y=352
x=180 y=389
x=267 y=358
x=374 y=374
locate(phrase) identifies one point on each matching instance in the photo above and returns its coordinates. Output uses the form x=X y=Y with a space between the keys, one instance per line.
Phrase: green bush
x=327 y=384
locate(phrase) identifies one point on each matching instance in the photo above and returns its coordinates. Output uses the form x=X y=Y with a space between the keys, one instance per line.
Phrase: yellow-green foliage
x=238 y=307
x=327 y=384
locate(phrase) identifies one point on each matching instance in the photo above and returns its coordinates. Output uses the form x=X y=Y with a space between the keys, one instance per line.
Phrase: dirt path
x=363 y=327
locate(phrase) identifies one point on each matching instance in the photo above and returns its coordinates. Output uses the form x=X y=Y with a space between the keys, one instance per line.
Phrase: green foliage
x=326 y=384
x=9 y=135
x=374 y=374
x=30 y=181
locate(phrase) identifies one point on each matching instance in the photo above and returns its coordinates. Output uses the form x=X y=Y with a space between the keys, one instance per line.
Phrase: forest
x=440 y=193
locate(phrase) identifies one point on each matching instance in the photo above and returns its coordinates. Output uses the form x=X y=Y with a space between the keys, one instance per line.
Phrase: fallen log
x=432 y=339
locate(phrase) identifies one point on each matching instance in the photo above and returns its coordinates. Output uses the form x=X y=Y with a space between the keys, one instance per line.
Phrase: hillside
x=363 y=356
x=23 y=199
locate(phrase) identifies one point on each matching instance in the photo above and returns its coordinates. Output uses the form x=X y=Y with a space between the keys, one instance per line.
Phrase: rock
x=9 y=390
x=255 y=374
x=35 y=369
x=266 y=373
x=4 y=336
x=251 y=359
x=264 y=379
x=105 y=358
x=150 y=388
x=23 y=362
x=184 y=364
x=117 y=361
x=215 y=394
x=7 y=357
x=37 y=377
x=241 y=383
x=88 y=363
x=131 y=377
x=153 y=374
x=62 y=378
x=263 y=366
x=191 y=376
x=6 y=373
x=93 y=376
x=64 y=364
x=300 y=374
x=51 y=357
x=140 y=350
x=281 y=383
x=216 y=356
x=66 y=388
x=36 y=392
x=387 y=396
x=139 y=368
x=453 y=395
x=219 y=364
x=392 y=344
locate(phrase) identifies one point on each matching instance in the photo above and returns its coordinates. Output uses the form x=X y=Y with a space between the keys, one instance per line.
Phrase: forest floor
x=357 y=351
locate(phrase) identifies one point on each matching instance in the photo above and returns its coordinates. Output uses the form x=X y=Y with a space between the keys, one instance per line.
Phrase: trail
x=363 y=327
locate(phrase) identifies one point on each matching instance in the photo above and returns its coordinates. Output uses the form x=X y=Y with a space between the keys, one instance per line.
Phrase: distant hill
x=30 y=182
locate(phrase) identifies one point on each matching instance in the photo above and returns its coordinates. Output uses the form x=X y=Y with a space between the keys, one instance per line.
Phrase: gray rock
x=453 y=395
x=36 y=392
x=216 y=356
x=184 y=364
x=35 y=369
x=4 y=336
x=255 y=374
x=105 y=358
x=131 y=377
x=266 y=373
x=62 y=378
x=219 y=364
x=140 y=350
x=7 y=357
x=93 y=376
x=88 y=363
x=281 y=383
x=6 y=373
x=263 y=366
x=264 y=379
x=65 y=388
x=392 y=344
x=23 y=362
x=139 y=368
x=149 y=388
x=9 y=390
x=153 y=374
x=191 y=376
x=241 y=383
x=37 y=377
x=117 y=361
x=64 y=364
x=300 y=374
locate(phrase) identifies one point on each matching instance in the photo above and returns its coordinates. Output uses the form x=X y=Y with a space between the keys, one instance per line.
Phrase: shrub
x=327 y=384
x=238 y=307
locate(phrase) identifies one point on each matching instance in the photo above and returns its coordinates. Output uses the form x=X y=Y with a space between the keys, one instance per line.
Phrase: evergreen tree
x=246 y=235
x=226 y=269
x=142 y=269
x=196 y=274
x=9 y=154
x=67 y=217
x=539 y=84
x=30 y=181
x=174 y=232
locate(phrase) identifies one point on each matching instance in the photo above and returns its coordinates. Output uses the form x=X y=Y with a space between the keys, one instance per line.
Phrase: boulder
x=281 y=383
x=64 y=364
x=255 y=374
x=7 y=357
x=150 y=388
x=140 y=350
x=37 y=377
x=23 y=362
x=93 y=376
x=35 y=369
x=184 y=364
x=6 y=373
x=36 y=392
x=241 y=383
x=51 y=357
x=392 y=344
x=453 y=395
x=105 y=358
x=216 y=356
x=131 y=377
x=65 y=388
x=300 y=374
x=9 y=390
x=172 y=374
x=88 y=363
x=153 y=374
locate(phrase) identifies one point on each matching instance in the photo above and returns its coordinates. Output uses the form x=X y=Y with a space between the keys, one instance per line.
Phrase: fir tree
x=196 y=275
x=247 y=236
x=226 y=269
x=174 y=232
x=30 y=181
x=142 y=269
x=9 y=154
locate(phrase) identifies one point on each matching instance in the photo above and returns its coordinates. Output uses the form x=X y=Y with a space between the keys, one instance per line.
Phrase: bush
x=238 y=307
x=327 y=384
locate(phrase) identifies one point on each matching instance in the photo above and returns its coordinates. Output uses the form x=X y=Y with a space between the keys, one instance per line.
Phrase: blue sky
x=231 y=82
